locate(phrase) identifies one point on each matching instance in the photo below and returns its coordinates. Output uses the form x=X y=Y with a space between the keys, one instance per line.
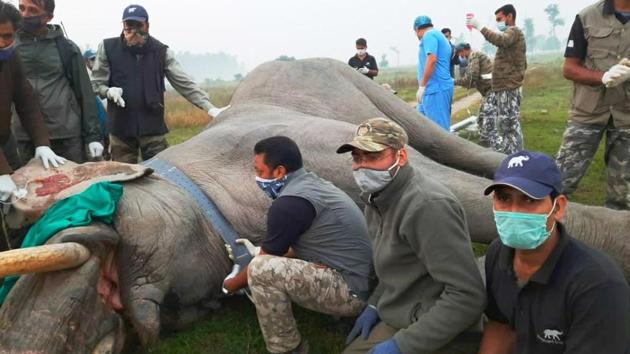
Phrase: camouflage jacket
x=478 y=64
x=510 y=61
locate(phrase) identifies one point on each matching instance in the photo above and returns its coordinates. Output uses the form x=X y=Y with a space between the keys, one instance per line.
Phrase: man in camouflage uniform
x=316 y=252
x=429 y=294
x=599 y=38
x=479 y=75
x=502 y=106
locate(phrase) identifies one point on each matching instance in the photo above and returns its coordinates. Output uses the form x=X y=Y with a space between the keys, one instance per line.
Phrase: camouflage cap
x=375 y=135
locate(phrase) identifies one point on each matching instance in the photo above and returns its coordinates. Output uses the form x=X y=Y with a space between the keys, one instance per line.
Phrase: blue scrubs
x=438 y=96
x=102 y=117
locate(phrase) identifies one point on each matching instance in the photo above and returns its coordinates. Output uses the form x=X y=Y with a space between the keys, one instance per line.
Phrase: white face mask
x=372 y=181
x=361 y=52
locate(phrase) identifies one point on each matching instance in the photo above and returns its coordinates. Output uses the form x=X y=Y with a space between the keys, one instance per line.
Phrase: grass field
x=234 y=328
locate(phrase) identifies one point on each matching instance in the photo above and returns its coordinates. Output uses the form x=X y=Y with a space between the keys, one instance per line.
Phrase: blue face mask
x=7 y=53
x=271 y=187
x=502 y=26
x=523 y=231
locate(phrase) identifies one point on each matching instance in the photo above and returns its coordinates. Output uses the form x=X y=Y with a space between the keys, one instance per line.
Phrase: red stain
x=53 y=184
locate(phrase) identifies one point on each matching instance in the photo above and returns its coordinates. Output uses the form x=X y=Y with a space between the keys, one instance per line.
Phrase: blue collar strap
x=217 y=221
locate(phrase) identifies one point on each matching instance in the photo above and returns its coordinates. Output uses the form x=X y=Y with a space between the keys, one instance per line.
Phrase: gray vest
x=338 y=237
x=608 y=42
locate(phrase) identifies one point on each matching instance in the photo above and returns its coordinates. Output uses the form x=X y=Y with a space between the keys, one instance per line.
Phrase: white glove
x=7 y=187
x=420 y=93
x=48 y=156
x=364 y=70
x=486 y=76
x=235 y=270
x=251 y=249
x=472 y=22
x=115 y=94
x=617 y=75
x=96 y=149
x=214 y=111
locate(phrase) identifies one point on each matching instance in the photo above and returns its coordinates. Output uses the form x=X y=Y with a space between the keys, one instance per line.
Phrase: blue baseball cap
x=89 y=54
x=421 y=21
x=533 y=173
x=135 y=13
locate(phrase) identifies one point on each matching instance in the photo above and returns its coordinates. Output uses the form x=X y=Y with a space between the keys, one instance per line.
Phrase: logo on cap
x=132 y=10
x=364 y=129
x=517 y=161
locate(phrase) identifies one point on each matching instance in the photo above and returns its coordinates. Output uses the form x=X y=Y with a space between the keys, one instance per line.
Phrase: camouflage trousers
x=276 y=282
x=126 y=149
x=499 y=125
x=579 y=144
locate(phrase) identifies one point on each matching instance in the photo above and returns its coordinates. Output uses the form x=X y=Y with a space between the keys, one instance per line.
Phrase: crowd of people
x=592 y=63
x=404 y=266
x=56 y=91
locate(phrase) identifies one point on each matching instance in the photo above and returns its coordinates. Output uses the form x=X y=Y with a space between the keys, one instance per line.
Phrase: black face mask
x=32 y=24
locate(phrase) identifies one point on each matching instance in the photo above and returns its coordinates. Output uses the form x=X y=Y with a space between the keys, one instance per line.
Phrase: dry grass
x=182 y=114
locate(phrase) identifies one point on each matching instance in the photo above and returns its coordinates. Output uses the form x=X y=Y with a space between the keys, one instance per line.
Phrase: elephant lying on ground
x=162 y=265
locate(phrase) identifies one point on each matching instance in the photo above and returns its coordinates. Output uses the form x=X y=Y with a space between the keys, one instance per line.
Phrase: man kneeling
x=316 y=252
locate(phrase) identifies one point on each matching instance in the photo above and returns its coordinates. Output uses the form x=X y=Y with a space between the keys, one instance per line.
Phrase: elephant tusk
x=41 y=259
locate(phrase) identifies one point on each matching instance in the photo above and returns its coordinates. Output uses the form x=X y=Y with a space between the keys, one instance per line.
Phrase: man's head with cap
x=135 y=20
x=529 y=182
x=377 y=144
x=463 y=49
x=89 y=56
x=421 y=25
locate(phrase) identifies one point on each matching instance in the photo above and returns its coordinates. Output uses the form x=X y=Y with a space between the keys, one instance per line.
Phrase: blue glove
x=364 y=323
x=386 y=347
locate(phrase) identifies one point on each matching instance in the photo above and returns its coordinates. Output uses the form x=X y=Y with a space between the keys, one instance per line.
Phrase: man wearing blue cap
x=129 y=72
x=547 y=292
x=435 y=91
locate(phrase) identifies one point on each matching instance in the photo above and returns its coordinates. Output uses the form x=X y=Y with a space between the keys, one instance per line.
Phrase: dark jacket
x=55 y=68
x=140 y=73
x=15 y=89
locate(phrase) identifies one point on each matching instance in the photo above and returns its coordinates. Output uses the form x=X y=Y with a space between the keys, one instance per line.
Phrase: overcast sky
x=261 y=30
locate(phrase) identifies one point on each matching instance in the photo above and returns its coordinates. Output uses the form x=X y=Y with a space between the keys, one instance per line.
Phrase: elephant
x=160 y=266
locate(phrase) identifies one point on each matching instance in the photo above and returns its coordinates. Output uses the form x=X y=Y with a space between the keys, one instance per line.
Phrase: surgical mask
x=523 y=231
x=372 y=181
x=463 y=60
x=137 y=38
x=271 y=187
x=7 y=53
x=32 y=23
x=502 y=26
x=361 y=52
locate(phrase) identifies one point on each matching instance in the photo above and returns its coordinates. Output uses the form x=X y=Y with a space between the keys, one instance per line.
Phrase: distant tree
x=530 y=35
x=384 y=63
x=285 y=58
x=552 y=14
x=552 y=43
x=540 y=42
x=238 y=77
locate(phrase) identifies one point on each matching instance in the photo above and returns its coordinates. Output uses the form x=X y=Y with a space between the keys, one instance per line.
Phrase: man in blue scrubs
x=435 y=91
